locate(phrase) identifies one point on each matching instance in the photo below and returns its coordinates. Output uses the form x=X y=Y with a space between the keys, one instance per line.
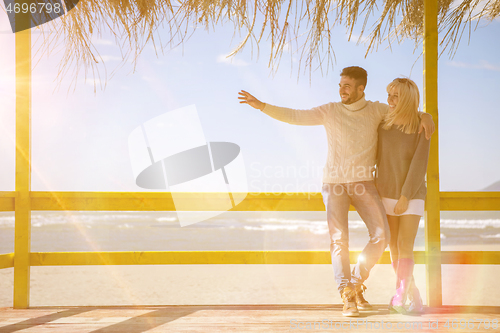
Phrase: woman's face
x=392 y=98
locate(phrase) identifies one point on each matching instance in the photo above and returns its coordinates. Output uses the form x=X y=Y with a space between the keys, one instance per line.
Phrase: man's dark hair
x=357 y=73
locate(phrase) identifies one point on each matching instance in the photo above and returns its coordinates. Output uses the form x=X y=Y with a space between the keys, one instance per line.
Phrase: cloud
x=96 y=41
x=107 y=58
x=95 y=83
x=148 y=78
x=483 y=64
x=478 y=8
x=231 y=61
x=355 y=37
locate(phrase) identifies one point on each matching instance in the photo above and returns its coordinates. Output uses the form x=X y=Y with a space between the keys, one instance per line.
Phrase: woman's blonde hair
x=406 y=112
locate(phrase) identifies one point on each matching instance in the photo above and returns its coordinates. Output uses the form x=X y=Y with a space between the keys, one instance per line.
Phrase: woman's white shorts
x=415 y=207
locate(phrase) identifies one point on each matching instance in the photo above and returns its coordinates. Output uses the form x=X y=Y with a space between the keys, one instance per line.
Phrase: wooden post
x=432 y=216
x=23 y=163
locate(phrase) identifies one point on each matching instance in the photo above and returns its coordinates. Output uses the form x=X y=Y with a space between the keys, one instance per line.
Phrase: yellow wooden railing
x=23 y=201
x=162 y=201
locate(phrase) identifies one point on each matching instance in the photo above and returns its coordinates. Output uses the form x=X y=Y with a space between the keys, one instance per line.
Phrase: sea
x=59 y=231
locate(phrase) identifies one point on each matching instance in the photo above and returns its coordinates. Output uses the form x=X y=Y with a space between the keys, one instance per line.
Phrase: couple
x=361 y=133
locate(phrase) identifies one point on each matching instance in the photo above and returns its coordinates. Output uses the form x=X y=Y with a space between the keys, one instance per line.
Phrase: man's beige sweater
x=351 y=131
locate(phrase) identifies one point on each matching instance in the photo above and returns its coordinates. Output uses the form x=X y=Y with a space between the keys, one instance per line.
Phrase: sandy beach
x=228 y=284
x=234 y=284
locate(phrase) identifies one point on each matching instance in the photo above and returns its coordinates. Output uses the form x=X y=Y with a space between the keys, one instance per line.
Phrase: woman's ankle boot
x=404 y=274
x=395 y=267
x=416 y=305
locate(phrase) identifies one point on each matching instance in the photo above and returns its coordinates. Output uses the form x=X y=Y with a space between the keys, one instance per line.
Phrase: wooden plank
x=239 y=257
x=23 y=161
x=239 y=318
x=469 y=201
x=7 y=205
x=6 y=260
x=470 y=257
x=162 y=201
x=7 y=201
x=232 y=257
x=432 y=215
x=191 y=258
x=103 y=201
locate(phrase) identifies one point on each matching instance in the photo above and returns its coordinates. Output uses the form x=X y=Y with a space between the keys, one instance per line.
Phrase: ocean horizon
x=230 y=231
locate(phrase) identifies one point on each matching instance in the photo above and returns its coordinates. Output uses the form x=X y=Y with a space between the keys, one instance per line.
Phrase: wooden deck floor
x=242 y=318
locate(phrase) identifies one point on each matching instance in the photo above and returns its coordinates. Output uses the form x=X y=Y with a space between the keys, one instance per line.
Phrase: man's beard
x=352 y=98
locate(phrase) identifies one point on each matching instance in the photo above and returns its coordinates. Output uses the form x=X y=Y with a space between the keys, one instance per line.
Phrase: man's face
x=348 y=91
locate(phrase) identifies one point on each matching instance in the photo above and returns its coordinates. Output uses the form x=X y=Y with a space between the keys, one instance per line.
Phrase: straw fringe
x=302 y=27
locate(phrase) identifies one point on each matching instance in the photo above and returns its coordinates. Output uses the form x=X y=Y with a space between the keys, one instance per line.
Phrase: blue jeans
x=364 y=197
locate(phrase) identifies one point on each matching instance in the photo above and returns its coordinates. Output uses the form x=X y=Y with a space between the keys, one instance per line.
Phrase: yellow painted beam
x=162 y=201
x=471 y=195
x=469 y=201
x=238 y=257
x=194 y=258
x=432 y=215
x=23 y=159
x=6 y=260
x=7 y=201
x=107 y=201
x=470 y=257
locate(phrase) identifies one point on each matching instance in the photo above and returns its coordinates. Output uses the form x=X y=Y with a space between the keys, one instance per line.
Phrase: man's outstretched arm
x=314 y=116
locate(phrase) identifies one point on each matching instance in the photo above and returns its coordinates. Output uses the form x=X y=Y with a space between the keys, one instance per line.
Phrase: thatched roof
x=303 y=25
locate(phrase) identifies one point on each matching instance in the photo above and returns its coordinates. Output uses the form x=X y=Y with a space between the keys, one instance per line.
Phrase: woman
x=401 y=165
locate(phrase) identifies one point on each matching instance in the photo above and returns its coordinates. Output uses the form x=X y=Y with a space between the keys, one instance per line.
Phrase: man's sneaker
x=361 y=302
x=350 y=309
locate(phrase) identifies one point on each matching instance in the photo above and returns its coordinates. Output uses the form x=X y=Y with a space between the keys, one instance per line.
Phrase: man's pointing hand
x=247 y=98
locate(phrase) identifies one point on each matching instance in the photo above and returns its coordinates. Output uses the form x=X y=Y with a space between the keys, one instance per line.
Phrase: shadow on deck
x=242 y=318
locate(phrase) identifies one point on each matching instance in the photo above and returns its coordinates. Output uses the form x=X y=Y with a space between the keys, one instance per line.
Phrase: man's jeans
x=364 y=197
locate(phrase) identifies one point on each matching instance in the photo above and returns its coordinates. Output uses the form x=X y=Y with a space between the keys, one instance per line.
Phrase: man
x=351 y=128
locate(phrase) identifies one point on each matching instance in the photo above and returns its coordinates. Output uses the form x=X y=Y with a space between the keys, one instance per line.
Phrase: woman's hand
x=427 y=124
x=401 y=205
x=247 y=98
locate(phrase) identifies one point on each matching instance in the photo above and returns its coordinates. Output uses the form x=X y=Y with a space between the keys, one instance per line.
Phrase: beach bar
x=23 y=201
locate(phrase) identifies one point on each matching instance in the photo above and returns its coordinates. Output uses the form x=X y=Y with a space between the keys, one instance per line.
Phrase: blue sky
x=79 y=138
